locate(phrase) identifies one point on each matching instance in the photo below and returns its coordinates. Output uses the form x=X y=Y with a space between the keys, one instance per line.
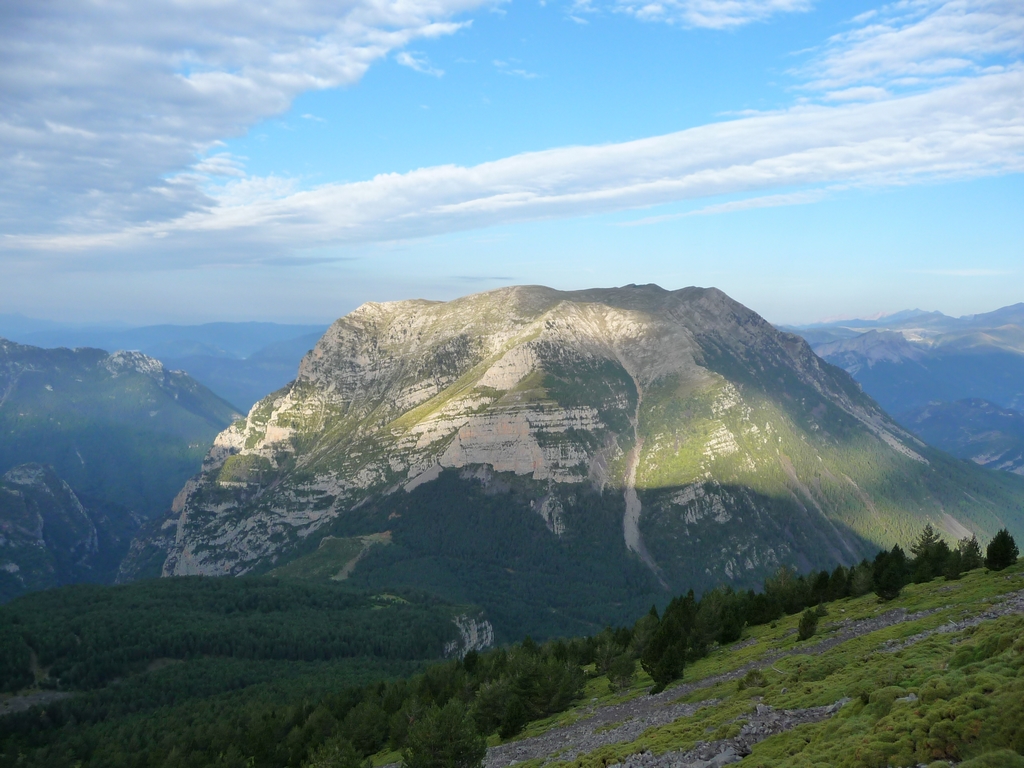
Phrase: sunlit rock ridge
x=722 y=446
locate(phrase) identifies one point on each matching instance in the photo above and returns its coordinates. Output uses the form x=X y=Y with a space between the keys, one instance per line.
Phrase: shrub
x=334 y=753
x=445 y=738
x=808 y=624
x=755 y=678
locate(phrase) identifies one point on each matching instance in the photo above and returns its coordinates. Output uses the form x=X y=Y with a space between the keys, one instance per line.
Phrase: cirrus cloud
x=711 y=14
x=102 y=104
x=868 y=118
x=966 y=129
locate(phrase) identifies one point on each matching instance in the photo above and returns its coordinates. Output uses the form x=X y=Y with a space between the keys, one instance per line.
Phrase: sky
x=197 y=160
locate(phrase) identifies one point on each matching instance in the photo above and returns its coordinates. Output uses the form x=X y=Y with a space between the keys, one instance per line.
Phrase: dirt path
x=14 y=704
x=765 y=721
x=625 y=722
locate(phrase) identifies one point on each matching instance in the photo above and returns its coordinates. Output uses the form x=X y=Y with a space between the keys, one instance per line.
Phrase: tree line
x=441 y=716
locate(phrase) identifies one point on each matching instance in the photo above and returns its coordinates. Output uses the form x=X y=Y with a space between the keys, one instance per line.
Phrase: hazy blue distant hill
x=973 y=429
x=241 y=362
x=919 y=366
x=243 y=382
x=237 y=340
x=956 y=382
x=49 y=537
x=118 y=427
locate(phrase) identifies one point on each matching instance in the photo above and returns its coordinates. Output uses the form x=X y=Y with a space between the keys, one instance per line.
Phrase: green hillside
x=164 y=667
x=812 y=670
x=119 y=428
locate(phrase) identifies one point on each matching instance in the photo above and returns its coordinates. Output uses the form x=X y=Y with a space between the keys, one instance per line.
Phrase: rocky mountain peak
x=126 y=360
x=675 y=437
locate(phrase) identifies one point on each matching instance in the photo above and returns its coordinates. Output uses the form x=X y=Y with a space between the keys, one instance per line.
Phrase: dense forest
x=267 y=672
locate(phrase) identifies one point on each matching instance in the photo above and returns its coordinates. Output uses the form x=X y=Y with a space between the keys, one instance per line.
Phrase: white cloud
x=418 y=62
x=859 y=93
x=764 y=201
x=511 y=69
x=101 y=102
x=961 y=130
x=870 y=128
x=711 y=14
x=916 y=43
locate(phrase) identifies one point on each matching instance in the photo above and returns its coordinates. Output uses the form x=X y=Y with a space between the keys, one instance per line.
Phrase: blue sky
x=189 y=161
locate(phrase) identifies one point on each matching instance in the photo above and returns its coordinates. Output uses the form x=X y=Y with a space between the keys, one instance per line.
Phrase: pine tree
x=889 y=571
x=665 y=656
x=954 y=566
x=930 y=555
x=925 y=542
x=621 y=672
x=1002 y=551
x=970 y=553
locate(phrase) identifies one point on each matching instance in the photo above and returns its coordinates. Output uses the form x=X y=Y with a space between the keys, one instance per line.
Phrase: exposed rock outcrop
x=730 y=447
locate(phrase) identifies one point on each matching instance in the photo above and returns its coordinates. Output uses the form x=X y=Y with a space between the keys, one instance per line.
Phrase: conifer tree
x=970 y=553
x=808 y=624
x=1002 y=551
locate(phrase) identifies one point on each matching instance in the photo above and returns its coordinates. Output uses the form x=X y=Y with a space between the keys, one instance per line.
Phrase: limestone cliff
x=728 y=446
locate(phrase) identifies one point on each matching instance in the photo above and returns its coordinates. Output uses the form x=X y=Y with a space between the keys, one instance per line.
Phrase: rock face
x=48 y=538
x=675 y=439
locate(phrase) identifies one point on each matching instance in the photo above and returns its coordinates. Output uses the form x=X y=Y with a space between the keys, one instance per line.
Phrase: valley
x=590 y=512
x=954 y=382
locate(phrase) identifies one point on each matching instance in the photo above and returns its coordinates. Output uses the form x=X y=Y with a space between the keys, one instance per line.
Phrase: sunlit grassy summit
x=563 y=459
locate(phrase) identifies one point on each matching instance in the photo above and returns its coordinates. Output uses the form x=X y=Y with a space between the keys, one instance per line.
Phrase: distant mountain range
x=91 y=445
x=564 y=459
x=958 y=383
x=241 y=362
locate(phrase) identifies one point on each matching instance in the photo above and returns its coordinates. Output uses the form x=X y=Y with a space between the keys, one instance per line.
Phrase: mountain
x=119 y=427
x=48 y=538
x=244 y=381
x=232 y=340
x=956 y=382
x=240 y=362
x=563 y=459
x=973 y=429
x=868 y=350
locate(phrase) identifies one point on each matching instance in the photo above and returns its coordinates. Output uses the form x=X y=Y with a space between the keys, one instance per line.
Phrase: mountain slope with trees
x=563 y=459
x=119 y=427
x=826 y=667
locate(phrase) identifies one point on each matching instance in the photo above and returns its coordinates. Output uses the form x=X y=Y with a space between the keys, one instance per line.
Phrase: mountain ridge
x=117 y=426
x=675 y=434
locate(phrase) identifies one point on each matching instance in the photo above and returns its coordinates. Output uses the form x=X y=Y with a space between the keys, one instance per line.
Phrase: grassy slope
x=969 y=684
